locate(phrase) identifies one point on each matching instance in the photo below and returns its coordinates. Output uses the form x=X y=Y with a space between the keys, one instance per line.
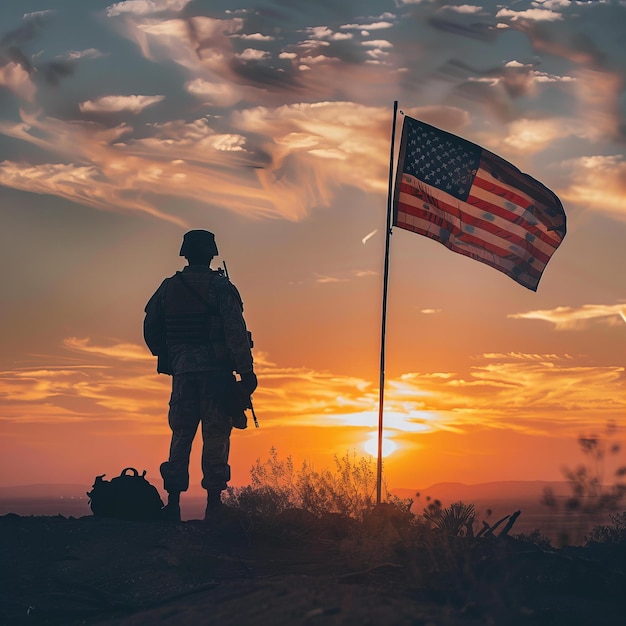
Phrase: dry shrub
x=613 y=533
x=275 y=486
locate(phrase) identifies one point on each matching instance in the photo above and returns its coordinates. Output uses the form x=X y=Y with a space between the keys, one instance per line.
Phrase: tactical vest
x=192 y=313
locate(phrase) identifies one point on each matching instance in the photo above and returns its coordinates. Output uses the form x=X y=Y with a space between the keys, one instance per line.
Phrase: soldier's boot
x=214 y=505
x=171 y=511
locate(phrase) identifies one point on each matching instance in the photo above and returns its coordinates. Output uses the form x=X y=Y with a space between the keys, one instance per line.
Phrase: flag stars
x=434 y=157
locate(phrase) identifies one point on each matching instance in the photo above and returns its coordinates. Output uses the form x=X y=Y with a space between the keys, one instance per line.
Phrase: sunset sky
x=268 y=122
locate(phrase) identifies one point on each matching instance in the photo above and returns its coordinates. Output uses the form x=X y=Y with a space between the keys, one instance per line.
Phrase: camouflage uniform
x=200 y=341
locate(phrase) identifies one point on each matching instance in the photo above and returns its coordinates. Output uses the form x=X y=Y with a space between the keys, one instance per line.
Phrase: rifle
x=247 y=403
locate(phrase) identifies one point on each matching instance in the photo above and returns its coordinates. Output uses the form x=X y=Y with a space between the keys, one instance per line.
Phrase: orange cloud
x=599 y=92
x=145 y=7
x=284 y=171
x=122 y=351
x=535 y=15
x=218 y=93
x=15 y=78
x=577 y=318
x=532 y=136
x=529 y=393
x=113 y=104
x=597 y=183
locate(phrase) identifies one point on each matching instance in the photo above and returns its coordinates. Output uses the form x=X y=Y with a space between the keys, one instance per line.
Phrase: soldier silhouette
x=194 y=325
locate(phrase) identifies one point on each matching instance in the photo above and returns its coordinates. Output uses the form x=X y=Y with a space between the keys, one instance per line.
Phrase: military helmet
x=198 y=243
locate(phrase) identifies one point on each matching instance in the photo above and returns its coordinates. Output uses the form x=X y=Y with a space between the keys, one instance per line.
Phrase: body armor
x=192 y=314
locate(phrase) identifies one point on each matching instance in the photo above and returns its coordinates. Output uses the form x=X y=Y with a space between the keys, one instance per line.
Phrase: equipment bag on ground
x=127 y=496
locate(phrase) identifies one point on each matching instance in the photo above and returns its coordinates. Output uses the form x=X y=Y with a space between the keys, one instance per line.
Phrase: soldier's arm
x=154 y=322
x=235 y=331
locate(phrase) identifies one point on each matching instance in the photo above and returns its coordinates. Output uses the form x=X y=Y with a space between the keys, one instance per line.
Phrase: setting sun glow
x=371 y=446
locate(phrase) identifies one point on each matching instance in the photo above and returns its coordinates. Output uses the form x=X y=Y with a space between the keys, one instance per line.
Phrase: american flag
x=475 y=203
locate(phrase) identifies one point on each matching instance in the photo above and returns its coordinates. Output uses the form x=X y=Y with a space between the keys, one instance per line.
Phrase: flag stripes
x=470 y=229
x=476 y=252
x=479 y=246
x=475 y=216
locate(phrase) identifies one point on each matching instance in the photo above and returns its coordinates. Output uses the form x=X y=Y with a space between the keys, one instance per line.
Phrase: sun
x=371 y=446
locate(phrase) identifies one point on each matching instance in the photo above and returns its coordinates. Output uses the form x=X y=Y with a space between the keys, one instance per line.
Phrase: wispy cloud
x=145 y=7
x=462 y=8
x=597 y=183
x=39 y=14
x=286 y=156
x=523 y=356
x=380 y=25
x=121 y=351
x=345 y=277
x=255 y=37
x=82 y=184
x=377 y=43
x=552 y=4
x=218 y=93
x=109 y=380
x=291 y=170
x=530 y=136
x=577 y=318
x=15 y=78
x=329 y=279
x=529 y=393
x=88 y=53
x=114 y=104
x=252 y=54
x=537 y=15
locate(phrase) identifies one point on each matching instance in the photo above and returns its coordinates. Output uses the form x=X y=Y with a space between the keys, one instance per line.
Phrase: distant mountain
x=487 y=493
x=510 y=490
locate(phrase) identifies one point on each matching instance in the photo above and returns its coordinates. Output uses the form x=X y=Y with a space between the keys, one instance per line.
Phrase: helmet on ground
x=198 y=243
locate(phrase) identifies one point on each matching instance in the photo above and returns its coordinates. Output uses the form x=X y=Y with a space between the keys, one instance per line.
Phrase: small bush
x=613 y=533
x=275 y=486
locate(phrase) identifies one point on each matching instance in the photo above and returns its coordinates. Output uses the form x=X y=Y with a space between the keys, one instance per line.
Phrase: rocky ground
x=67 y=571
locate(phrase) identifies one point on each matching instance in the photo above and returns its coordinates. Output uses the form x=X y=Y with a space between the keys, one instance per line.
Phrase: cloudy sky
x=122 y=125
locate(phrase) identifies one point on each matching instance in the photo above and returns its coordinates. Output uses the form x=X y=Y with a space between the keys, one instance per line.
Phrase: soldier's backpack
x=128 y=496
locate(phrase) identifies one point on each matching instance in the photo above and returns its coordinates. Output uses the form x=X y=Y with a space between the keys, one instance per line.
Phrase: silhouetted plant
x=589 y=493
x=433 y=508
x=455 y=520
x=611 y=533
x=536 y=537
x=349 y=490
x=271 y=489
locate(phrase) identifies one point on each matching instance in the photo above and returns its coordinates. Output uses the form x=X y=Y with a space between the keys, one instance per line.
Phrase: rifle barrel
x=256 y=422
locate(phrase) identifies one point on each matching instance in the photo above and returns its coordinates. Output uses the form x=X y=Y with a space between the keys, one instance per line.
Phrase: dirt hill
x=297 y=570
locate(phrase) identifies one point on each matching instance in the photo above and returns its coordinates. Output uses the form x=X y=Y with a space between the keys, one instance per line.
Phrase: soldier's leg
x=183 y=417
x=216 y=429
x=215 y=467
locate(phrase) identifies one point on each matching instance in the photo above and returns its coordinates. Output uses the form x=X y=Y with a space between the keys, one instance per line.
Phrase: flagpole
x=381 y=400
